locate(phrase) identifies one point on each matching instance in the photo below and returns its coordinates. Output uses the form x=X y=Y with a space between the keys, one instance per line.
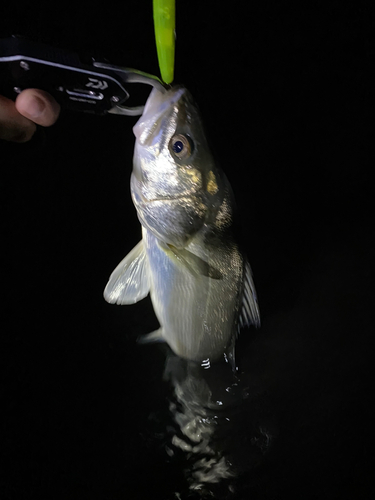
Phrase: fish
x=188 y=260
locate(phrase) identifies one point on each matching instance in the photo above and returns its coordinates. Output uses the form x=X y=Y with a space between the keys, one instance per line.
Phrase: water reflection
x=216 y=433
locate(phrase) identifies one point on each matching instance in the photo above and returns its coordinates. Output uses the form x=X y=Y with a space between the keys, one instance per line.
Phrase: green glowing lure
x=164 y=23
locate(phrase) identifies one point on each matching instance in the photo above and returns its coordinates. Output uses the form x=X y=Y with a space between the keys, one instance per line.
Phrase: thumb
x=38 y=106
x=13 y=126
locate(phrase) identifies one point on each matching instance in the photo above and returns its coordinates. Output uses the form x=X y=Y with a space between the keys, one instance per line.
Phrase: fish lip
x=144 y=128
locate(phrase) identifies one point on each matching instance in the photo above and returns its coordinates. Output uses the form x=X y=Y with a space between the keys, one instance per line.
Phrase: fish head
x=174 y=181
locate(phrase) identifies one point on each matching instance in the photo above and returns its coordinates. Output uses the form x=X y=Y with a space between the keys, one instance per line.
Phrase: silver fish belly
x=188 y=260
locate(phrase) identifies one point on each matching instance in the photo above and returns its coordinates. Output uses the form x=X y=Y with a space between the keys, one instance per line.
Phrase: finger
x=38 y=106
x=13 y=126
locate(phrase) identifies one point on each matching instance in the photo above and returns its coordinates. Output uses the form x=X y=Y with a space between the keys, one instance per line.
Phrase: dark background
x=285 y=90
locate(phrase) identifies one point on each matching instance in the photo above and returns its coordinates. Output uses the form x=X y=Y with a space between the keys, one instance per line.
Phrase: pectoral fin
x=129 y=282
x=194 y=264
x=249 y=313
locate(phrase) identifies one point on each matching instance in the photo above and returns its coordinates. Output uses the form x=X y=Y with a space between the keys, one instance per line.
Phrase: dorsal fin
x=249 y=312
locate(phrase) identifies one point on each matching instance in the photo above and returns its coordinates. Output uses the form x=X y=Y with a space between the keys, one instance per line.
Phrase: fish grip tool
x=76 y=84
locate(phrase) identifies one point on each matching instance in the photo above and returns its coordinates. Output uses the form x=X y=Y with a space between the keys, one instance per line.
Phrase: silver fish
x=200 y=282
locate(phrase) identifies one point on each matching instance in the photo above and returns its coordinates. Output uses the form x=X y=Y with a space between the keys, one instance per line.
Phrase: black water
x=86 y=412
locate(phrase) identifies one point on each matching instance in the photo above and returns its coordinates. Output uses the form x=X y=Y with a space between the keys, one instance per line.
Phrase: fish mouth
x=158 y=112
x=158 y=102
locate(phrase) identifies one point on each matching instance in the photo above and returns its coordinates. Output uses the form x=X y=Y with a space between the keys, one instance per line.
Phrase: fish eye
x=180 y=146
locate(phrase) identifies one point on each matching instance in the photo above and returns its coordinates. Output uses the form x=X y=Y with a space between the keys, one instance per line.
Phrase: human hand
x=32 y=107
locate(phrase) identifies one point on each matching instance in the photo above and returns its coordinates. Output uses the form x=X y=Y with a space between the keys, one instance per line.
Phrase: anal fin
x=155 y=336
